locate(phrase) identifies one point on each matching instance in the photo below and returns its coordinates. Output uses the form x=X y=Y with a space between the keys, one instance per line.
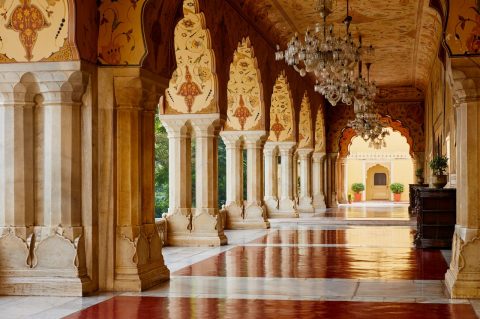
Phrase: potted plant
x=439 y=165
x=419 y=174
x=397 y=190
x=358 y=188
x=349 y=198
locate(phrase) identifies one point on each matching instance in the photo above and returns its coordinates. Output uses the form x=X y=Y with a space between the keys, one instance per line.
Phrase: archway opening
x=378 y=169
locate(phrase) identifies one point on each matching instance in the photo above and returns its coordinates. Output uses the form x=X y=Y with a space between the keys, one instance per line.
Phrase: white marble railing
x=379 y=156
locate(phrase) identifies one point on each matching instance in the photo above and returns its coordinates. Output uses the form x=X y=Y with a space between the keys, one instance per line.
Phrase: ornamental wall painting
x=463 y=30
x=305 y=138
x=282 y=122
x=120 y=38
x=36 y=30
x=320 y=131
x=245 y=98
x=193 y=86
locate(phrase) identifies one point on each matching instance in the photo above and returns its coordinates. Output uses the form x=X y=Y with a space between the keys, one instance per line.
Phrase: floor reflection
x=322 y=262
x=151 y=307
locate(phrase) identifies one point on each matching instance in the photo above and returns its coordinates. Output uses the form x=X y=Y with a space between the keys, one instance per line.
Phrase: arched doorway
x=378 y=180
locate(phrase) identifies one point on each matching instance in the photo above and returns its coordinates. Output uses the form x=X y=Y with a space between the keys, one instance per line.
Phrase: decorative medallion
x=189 y=90
x=35 y=30
x=281 y=110
x=244 y=91
x=305 y=124
x=193 y=86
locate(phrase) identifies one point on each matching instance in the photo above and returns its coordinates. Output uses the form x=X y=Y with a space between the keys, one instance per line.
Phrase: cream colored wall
x=395 y=156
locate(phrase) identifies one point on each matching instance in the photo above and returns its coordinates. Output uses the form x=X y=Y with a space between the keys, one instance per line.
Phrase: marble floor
x=356 y=262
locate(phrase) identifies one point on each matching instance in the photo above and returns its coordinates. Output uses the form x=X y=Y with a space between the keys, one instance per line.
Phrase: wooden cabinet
x=436 y=217
x=412 y=188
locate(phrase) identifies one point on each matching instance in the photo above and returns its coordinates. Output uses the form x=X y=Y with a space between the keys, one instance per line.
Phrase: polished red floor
x=322 y=262
x=155 y=307
x=384 y=236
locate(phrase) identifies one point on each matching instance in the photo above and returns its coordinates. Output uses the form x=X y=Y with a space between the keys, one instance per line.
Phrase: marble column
x=138 y=248
x=463 y=276
x=207 y=224
x=318 y=182
x=234 y=198
x=331 y=180
x=270 y=198
x=179 y=217
x=255 y=213
x=44 y=248
x=305 y=198
x=341 y=192
x=286 y=205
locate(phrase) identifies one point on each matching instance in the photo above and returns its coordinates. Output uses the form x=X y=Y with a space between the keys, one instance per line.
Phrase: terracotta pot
x=439 y=181
x=397 y=197
x=358 y=197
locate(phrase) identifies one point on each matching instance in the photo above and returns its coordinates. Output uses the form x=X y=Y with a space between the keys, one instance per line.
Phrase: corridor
x=318 y=267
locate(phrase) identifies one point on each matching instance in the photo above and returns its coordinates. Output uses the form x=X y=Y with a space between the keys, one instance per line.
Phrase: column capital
x=206 y=125
x=286 y=148
x=175 y=127
x=254 y=137
x=232 y=139
x=318 y=156
x=303 y=153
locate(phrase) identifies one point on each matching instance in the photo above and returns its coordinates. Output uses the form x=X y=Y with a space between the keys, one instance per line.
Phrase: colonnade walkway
x=358 y=262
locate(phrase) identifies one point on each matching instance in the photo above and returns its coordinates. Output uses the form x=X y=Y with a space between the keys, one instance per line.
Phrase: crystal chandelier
x=329 y=57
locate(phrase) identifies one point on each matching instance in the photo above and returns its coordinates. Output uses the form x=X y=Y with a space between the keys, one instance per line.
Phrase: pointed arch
x=193 y=87
x=246 y=107
x=282 y=115
x=305 y=136
x=320 y=142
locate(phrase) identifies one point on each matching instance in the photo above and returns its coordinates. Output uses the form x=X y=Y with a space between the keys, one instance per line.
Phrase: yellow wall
x=395 y=156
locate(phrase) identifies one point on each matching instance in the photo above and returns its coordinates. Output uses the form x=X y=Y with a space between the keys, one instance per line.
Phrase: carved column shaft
x=270 y=179
x=318 y=181
x=179 y=166
x=234 y=154
x=286 y=168
x=253 y=144
x=331 y=179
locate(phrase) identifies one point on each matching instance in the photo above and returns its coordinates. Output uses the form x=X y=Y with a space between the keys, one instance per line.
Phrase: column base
x=43 y=261
x=139 y=262
x=319 y=204
x=305 y=205
x=203 y=229
x=463 y=277
x=286 y=209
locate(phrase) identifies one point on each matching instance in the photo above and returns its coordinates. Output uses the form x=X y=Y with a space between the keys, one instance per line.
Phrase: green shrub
x=396 y=188
x=439 y=164
x=358 y=187
x=419 y=172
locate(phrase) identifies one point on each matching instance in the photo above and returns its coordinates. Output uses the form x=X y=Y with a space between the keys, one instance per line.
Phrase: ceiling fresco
x=405 y=33
x=463 y=29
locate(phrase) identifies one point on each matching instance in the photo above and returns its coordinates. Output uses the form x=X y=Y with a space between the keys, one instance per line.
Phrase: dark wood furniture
x=436 y=217
x=412 y=188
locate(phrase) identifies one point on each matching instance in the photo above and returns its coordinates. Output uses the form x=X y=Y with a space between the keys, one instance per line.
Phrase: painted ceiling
x=405 y=33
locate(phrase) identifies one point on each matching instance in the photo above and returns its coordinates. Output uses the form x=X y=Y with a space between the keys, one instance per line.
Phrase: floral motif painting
x=193 y=86
x=245 y=98
x=305 y=138
x=282 y=122
x=121 y=39
x=35 y=30
x=320 y=131
x=463 y=30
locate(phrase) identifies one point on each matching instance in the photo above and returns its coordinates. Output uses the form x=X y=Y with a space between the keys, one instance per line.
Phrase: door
x=378 y=180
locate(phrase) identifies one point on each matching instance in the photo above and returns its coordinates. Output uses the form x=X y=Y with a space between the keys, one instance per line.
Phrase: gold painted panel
x=35 y=30
x=282 y=122
x=463 y=30
x=245 y=98
x=305 y=138
x=193 y=86
x=121 y=38
x=319 y=131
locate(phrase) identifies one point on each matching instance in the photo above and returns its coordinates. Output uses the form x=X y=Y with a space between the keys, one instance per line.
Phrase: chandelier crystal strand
x=329 y=57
